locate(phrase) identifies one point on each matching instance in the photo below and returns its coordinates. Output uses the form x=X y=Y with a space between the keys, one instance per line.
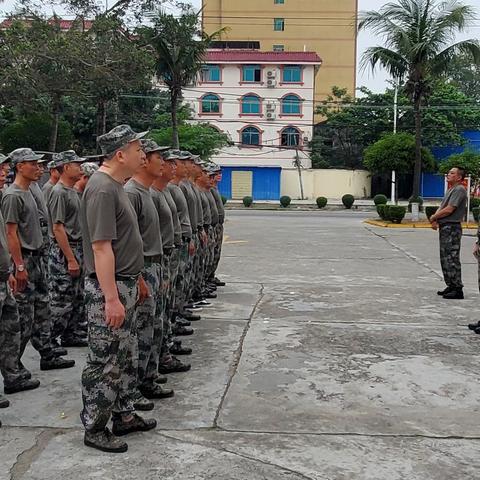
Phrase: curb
x=382 y=224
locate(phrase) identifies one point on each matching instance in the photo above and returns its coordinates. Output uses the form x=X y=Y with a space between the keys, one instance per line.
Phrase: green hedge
x=348 y=200
x=476 y=213
x=381 y=211
x=429 y=211
x=322 y=202
x=285 y=201
x=395 y=213
x=418 y=200
x=224 y=199
x=380 y=199
x=474 y=202
x=247 y=201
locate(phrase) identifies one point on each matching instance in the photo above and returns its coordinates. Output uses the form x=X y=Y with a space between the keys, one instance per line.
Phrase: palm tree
x=418 y=47
x=179 y=47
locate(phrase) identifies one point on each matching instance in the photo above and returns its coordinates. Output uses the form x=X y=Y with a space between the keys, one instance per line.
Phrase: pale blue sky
x=377 y=81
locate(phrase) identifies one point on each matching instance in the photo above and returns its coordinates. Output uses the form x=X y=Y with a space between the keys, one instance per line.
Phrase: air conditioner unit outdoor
x=271 y=83
x=306 y=139
x=270 y=107
x=270 y=116
x=271 y=73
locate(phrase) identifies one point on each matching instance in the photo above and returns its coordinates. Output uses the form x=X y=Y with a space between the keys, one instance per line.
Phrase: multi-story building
x=264 y=102
x=327 y=27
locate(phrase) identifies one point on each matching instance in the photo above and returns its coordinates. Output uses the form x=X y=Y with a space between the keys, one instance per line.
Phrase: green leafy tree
x=180 y=46
x=418 y=47
x=469 y=160
x=396 y=152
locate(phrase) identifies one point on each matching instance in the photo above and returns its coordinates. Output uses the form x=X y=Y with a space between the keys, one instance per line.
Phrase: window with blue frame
x=211 y=73
x=251 y=105
x=291 y=105
x=292 y=74
x=279 y=24
x=210 y=103
x=250 y=136
x=251 y=73
x=290 y=137
x=278 y=2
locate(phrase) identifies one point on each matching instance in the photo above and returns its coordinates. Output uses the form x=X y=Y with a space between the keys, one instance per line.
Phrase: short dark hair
x=461 y=172
x=59 y=169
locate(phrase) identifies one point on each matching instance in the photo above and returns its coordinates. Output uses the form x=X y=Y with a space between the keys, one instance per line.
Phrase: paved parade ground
x=327 y=356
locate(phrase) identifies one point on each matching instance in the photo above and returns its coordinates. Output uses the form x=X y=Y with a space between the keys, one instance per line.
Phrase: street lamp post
x=395 y=114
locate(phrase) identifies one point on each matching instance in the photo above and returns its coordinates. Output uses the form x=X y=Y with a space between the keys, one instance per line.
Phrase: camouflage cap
x=69 y=156
x=172 y=155
x=51 y=165
x=89 y=168
x=117 y=138
x=4 y=159
x=21 y=155
x=150 y=146
x=185 y=155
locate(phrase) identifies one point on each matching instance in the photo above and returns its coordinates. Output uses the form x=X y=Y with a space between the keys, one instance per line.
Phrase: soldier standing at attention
x=150 y=313
x=87 y=169
x=65 y=262
x=25 y=242
x=221 y=220
x=113 y=254
x=448 y=220
x=54 y=178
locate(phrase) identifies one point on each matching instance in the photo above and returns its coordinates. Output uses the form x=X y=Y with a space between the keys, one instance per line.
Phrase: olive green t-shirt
x=64 y=208
x=182 y=209
x=177 y=229
x=165 y=215
x=46 y=189
x=455 y=197
x=107 y=214
x=207 y=215
x=219 y=202
x=213 y=207
x=148 y=221
x=5 y=262
x=192 y=203
x=19 y=207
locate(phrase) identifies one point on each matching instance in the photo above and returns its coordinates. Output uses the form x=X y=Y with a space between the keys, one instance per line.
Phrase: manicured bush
x=381 y=211
x=322 y=202
x=474 y=202
x=224 y=199
x=380 y=199
x=418 y=200
x=247 y=201
x=396 y=213
x=429 y=211
x=285 y=201
x=348 y=200
x=476 y=213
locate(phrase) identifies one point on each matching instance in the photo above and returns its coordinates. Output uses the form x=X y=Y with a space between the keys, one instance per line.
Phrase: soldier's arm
x=444 y=212
x=62 y=240
x=14 y=245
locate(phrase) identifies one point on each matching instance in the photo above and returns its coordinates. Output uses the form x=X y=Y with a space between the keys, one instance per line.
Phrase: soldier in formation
x=126 y=252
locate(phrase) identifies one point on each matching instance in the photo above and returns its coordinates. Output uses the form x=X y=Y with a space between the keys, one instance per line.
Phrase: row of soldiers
x=126 y=251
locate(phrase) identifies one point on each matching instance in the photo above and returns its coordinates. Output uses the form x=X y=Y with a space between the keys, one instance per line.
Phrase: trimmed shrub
x=380 y=199
x=322 y=202
x=429 y=211
x=474 y=202
x=381 y=211
x=247 y=201
x=224 y=199
x=285 y=201
x=396 y=213
x=418 y=200
x=476 y=213
x=348 y=200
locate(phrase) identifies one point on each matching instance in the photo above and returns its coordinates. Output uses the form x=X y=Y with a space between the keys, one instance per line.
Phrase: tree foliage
x=469 y=160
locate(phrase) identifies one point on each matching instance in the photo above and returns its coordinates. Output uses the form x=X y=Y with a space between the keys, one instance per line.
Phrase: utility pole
x=298 y=164
x=395 y=115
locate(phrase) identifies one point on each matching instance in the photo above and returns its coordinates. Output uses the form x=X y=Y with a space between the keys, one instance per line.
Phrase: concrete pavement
x=327 y=356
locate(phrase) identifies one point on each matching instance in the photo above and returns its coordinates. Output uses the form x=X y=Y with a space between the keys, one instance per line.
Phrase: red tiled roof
x=257 y=56
x=64 y=24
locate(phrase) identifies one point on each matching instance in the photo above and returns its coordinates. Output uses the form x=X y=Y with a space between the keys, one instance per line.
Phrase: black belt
x=32 y=253
x=152 y=259
x=118 y=278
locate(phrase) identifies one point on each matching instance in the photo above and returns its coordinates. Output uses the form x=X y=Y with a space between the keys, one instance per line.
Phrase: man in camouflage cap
x=88 y=169
x=25 y=243
x=54 y=177
x=113 y=256
x=4 y=170
x=65 y=260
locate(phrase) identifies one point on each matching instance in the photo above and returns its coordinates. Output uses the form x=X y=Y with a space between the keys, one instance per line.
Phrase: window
x=279 y=24
x=291 y=105
x=251 y=73
x=251 y=105
x=290 y=137
x=279 y=48
x=210 y=103
x=292 y=74
x=211 y=73
x=250 y=136
x=278 y=2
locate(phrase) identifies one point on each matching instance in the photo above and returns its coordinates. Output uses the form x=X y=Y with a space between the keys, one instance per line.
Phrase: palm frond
x=392 y=61
x=440 y=63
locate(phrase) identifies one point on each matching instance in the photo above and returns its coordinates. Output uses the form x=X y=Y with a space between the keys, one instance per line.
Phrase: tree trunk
x=174 y=107
x=101 y=117
x=417 y=171
x=56 y=104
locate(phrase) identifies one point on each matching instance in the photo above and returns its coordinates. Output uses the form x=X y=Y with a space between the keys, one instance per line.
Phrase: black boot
x=21 y=386
x=173 y=365
x=55 y=363
x=444 y=292
x=178 y=349
x=104 y=441
x=454 y=295
x=474 y=326
x=137 y=424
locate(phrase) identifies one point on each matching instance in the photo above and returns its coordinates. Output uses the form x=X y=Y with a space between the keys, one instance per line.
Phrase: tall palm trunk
x=417 y=171
x=56 y=108
x=174 y=108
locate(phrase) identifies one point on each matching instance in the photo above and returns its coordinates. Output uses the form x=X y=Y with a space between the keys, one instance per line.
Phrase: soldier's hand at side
x=73 y=268
x=12 y=283
x=143 y=290
x=22 y=280
x=114 y=313
x=191 y=249
x=435 y=225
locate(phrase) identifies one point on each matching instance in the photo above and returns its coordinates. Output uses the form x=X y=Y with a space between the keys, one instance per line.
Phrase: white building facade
x=264 y=101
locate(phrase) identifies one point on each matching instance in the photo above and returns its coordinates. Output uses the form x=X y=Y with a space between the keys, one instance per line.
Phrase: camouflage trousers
x=217 y=252
x=210 y=256
x=167 y=291
x=33 y=308
x=110 y=374
x=66 y=293
x=450 y=243
x=199 y=268
x=150 y=324
x=181 y=278
x=10 y=339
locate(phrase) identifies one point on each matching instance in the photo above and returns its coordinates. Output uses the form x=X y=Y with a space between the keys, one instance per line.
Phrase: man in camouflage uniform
x=216 y=178
x=113 y=256
x=65 y=262
x=54 y=177
x=25 y=242
x=88 y=169
x=150 y=315
x=448 y=220
x=14 y=380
